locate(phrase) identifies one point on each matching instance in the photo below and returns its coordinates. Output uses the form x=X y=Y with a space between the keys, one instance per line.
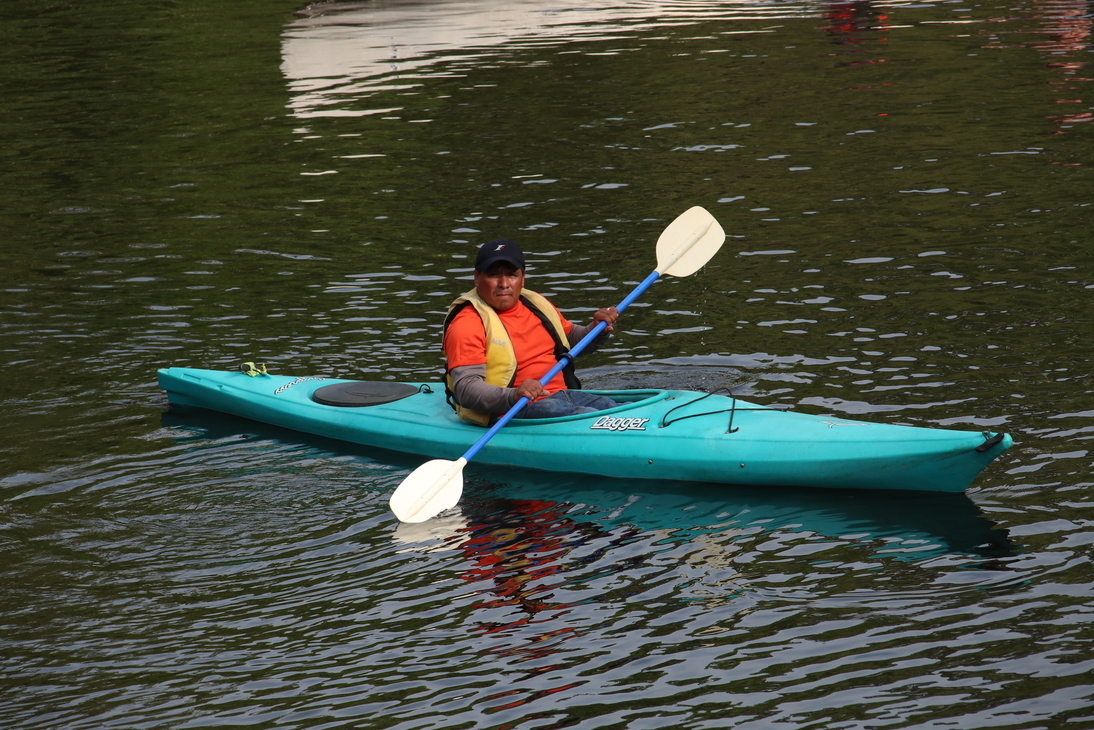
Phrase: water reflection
x=902 y=526
x=852 y=25
x=338 y=53
x=508 y=512
x=515 y=560
x=562 y=561
x=1067 y=25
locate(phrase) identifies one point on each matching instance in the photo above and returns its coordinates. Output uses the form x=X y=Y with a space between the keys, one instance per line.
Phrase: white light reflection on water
x=336 y=54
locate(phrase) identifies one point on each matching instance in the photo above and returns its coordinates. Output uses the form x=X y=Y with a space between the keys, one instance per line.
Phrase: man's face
x=500 y=285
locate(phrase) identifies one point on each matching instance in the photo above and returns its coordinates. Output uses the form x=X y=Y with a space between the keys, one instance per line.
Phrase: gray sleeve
x=472 y=390
x=580 y=330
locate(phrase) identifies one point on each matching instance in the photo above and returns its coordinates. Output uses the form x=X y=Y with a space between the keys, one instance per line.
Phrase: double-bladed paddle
x=683 y=248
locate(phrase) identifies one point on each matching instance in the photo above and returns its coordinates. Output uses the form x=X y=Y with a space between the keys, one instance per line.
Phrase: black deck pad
x=362 y=393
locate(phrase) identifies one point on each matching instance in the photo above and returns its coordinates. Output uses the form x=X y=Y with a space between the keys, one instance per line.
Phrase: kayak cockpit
x=627 y=400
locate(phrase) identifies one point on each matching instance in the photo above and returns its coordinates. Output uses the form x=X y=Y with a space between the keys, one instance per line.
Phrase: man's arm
x=609 y=315
x=472 y=390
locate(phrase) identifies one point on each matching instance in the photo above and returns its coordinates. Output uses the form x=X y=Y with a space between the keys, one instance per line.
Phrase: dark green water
x=908 y=197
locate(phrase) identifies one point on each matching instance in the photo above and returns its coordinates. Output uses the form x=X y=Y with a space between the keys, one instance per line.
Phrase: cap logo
x=500 y=247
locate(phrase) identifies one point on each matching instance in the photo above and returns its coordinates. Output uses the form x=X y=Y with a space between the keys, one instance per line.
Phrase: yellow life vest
x=501 y=358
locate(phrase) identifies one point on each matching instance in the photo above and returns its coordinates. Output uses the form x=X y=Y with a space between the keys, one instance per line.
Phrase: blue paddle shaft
x=574 y=352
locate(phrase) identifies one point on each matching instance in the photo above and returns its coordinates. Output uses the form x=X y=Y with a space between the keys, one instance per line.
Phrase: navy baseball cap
x=500 y=249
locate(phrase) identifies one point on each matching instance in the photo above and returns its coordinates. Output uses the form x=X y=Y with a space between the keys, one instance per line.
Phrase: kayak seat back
x=362 y=393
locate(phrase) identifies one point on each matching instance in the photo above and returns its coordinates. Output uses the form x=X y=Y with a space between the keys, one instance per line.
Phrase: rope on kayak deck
x=732 y=410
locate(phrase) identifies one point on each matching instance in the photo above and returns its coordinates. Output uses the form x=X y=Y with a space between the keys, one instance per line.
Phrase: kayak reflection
x=901 y=525
x=895 y=525
x=542 y=569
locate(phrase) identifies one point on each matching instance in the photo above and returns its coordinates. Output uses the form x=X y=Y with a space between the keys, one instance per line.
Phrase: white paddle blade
x=688 y=243
x=429 y=490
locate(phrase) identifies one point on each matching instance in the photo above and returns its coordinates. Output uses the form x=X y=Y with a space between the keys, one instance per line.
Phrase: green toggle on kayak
x=653 y=434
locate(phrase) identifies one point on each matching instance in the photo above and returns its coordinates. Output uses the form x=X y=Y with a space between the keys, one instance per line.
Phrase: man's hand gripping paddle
x=683 y=248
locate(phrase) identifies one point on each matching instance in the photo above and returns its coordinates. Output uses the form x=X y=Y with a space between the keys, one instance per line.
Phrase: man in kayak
x=500 y=334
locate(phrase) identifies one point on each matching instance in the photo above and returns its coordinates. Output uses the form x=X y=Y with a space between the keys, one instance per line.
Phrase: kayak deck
x=652 y=434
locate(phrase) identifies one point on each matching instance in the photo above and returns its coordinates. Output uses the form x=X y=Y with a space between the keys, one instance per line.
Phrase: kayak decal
x=833 y=424
x=620 y=424
x=298 y=381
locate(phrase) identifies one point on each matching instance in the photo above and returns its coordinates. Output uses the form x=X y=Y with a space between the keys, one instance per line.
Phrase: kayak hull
x=653 y=434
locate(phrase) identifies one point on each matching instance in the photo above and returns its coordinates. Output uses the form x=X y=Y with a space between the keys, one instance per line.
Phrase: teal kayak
x=652 y=434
